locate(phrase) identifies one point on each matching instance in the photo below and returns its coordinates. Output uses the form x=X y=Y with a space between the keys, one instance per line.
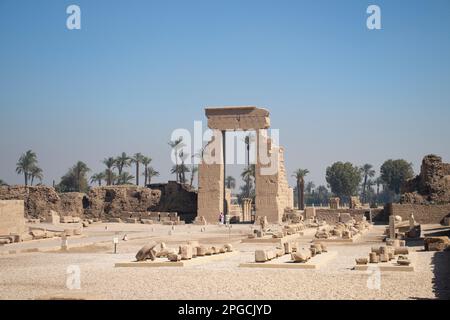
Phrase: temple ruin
x=273 y=194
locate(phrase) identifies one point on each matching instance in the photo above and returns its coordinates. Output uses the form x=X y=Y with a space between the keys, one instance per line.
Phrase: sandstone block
x=436 y=243
x=287 y=248
x=301 y=256
x=186 y=252
x=173 y=257
x=261 y=256
x=362 y=261
x=374 y=258
x=147 y=252
x=201 y=251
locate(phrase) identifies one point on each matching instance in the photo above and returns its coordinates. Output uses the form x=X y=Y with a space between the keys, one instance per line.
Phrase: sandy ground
x=44 y=274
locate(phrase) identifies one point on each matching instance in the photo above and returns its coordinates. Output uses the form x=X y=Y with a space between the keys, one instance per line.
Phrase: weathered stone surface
x=287 y=248
x=38 y=199
x=173 y=257
x=317 y=247
x=362 y=261
x=374 y=258
x=237 y=118
x=401 y=250
x=147 y=252
x=12 y=220
x=186 y=252
x=261 y=256
x=178 y=199
x=345 y=217
x=432 y=185
x=436 y=243
x=72 y=204
x=301 y=256
x=310 y=213
x=118 y=201
x=201 y=251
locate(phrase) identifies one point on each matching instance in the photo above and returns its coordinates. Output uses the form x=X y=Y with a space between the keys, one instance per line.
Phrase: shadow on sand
x=441 y=279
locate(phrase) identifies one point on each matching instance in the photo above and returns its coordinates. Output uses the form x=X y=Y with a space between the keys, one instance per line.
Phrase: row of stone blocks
x=185 y=252
x=298 y=254
x=393 y=249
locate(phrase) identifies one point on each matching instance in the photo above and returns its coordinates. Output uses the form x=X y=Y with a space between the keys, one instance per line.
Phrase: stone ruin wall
x=100 y=202
x=38 y=200
x=273 y=194
x=431 y=186
x=424 y=214
x=331 y=216
x=120 y=201
x=175 y=197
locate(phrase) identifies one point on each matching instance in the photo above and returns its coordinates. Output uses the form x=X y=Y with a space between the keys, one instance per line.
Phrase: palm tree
x=98 y=177
x=125 y=178
x=176 y=145
x=248 y=140
x=109 y=163
x=3 y=183
x=248 y=173
x=183 y=168
x=137 y=159
x=230 y=182
x=310 y=187
x=122 y=161
x=26 y=162
x=369 y=190
x=151 y=173
x=367 y=172
x=194 y=170
x=36 y=173
x=145 y=162
x=300 y=175
x=378 y=182
x=80 y=169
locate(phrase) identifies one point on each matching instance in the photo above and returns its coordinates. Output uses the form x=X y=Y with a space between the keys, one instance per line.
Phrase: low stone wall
x=331 y=216
x=105 y=202
x=12 y=219
x=424 y=214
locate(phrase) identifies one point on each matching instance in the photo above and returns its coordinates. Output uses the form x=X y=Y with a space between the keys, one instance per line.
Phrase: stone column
x=392 y=227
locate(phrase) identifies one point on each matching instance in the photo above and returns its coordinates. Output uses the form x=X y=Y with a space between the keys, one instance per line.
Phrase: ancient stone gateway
x=273 y=194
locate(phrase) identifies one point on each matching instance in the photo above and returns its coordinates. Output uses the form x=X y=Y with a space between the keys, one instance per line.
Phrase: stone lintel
x=237 y=118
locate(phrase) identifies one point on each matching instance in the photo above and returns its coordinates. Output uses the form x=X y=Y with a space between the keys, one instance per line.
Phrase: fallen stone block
x=186 y=252
x=261 y=256
x=436 y=243
x=401 y=250
x=201 y=251
x=374 y=258
x=301 y=256
x=37 y=234
x=362 y=261
x=173 y=257
x=147 y=252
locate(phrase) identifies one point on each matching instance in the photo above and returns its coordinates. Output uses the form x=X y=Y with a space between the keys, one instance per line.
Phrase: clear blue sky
x=139 y=69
